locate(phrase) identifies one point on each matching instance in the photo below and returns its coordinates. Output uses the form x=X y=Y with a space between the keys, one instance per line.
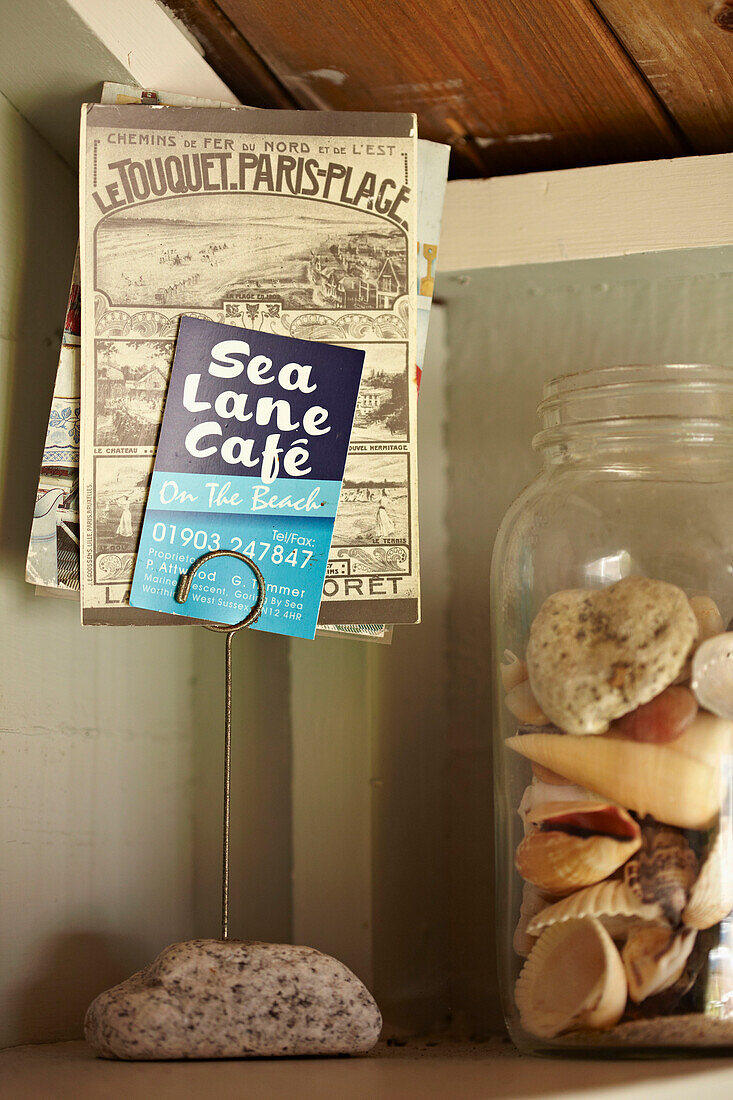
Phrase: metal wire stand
x=184 y=587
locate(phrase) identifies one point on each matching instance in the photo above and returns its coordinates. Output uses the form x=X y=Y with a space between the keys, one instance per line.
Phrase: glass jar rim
x=693 y=401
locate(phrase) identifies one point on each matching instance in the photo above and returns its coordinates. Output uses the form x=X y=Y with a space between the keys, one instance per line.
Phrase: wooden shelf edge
x=432 y=1069
x=585 y=213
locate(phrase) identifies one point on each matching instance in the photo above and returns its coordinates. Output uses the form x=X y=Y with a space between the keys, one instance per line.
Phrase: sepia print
x=301 y=233
x=121 y=489
x=131 y=378
x=195 y=251
x=382 y=411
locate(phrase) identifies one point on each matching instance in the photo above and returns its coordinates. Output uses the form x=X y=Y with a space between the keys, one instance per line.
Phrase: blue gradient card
x=250 y=458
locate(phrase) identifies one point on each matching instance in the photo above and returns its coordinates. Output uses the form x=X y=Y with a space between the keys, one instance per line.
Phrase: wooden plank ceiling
x=512 y=86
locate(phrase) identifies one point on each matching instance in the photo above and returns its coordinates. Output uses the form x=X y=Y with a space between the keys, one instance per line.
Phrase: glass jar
x=611 y=588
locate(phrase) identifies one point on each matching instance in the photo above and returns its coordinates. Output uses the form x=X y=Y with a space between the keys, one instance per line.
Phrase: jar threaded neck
x=625 y=405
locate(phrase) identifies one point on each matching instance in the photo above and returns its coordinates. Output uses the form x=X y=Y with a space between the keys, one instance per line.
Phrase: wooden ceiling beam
x=230 y=54
x=685 y=50
x=512 y=85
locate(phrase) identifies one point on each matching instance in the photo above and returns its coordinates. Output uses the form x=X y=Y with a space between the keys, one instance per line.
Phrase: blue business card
x=250 y=458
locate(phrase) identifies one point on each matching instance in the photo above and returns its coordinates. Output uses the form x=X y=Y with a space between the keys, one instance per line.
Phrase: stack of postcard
x=317 y=226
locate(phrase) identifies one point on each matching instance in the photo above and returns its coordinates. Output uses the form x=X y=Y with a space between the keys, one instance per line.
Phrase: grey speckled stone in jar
x=234 y=999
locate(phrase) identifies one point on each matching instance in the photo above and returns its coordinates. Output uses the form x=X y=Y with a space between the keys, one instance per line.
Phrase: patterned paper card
x=250 y=458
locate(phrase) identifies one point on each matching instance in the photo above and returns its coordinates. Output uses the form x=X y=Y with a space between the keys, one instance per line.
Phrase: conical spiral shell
x=663 y=870
x=678 y=783
x=712 y=675
x=573 y=978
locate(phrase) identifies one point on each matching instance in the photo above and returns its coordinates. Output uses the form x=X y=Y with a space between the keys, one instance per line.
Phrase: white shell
x=712 y=675
x=654 y=959
x=533 y=902
x=711 y=898
x=513 y=670
x=537 y=792
x=573 y=978
x=610 y=902
x=523 y=705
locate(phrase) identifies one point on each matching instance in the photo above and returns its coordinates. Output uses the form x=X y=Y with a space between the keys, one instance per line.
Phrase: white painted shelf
x=427 y=1070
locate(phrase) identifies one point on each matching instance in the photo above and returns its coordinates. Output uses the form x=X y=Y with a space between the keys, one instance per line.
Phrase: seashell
x=679 y=783
x=712 y=675
x=711 y=897
x=527 y=727
x=668 y=1000
x=533 y=902
x=539 y=793
x=524 y=706
x=513 y=670
x=662 y=871
x=662 y=719
x=709 y=620
x=575 y=844
x=655 y=958
x=573 y=978
x=547 y=775
x=596 y=655
x=610 y=902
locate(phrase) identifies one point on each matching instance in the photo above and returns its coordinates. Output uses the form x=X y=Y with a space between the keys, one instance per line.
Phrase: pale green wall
x=509 y=330
x=95 y=726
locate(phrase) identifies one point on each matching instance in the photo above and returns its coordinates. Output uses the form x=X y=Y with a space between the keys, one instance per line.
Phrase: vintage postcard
x=61 y=572
x=290 y=223
x=53 y=550
x=250 y=459
x=432 y=177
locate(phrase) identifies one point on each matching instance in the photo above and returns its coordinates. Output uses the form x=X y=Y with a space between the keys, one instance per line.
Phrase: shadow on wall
x=69 y=970
x=41 y=223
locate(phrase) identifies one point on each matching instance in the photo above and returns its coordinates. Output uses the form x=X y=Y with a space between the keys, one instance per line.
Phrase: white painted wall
x=96 y=862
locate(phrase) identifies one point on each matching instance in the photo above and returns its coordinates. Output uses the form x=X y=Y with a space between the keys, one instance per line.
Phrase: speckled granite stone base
x=234 y=999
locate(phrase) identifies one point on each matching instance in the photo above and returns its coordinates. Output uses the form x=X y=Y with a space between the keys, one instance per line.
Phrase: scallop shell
x=594 y=655
x=533 y=902
x=610 y=902
x=573 y=978
x=654 y=959
x=662 y=871
x=712 y=675
x=679 y=782
x=513 y=670
x=711 y=898
x=523 y=705
x=575 y=844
